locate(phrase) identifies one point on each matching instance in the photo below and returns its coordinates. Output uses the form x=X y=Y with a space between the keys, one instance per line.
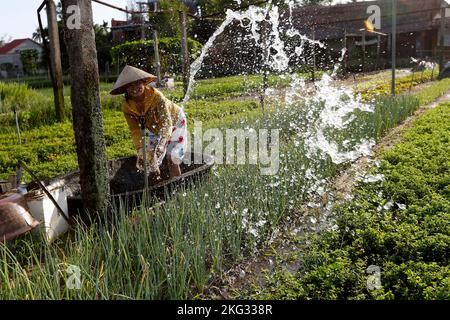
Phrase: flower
x=180 y=139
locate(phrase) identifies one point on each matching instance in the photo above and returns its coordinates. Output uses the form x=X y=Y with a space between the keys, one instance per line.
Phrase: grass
x=174 y=251
x=400 y=225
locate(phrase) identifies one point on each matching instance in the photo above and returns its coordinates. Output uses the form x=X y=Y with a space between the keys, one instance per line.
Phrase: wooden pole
x=118 y=65
x=55 y=60
x=86 y=109
x=156 y=49
x=378 y=52
x=346 y=52
x=264 y=69
x=442 y=39
x=364 y=51
x=184 y=50
x=17 y=125
x=394 y=44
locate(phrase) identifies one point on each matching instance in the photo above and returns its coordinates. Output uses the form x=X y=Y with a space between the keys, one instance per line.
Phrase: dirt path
x=280 y=253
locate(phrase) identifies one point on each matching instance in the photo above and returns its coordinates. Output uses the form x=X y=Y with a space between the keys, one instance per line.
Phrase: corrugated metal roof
x=331 y=21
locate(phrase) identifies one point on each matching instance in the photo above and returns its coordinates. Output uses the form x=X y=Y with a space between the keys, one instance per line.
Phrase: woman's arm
x=163 y=111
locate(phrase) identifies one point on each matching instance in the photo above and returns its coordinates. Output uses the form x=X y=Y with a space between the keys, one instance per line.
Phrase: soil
x=285 y=249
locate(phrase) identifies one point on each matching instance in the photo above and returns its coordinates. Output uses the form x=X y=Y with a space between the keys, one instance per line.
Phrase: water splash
x=252 y=20
x=312 y=110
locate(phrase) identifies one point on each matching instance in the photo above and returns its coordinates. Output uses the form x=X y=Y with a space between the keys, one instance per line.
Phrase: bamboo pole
x=55 y=60
x=346 y=53
x=184 y=50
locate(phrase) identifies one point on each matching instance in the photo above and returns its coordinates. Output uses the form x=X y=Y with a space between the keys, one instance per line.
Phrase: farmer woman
x=164 y=121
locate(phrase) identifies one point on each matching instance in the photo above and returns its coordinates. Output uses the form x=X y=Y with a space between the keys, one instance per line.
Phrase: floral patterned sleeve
x=165 y=118
x=135 y=130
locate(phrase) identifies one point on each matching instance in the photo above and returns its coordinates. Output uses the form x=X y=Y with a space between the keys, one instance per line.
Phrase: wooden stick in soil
x=41 y=185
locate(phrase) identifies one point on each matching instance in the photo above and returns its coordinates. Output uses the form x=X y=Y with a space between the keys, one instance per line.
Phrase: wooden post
x=394 y=44
x=264 y=69
x=442 y=39
x=346 y=53
x=184 y=50
x=86 y=109
x=313 y=74
x=364 y=51
x=118 y=65
x=156 y=49
x=55 y=60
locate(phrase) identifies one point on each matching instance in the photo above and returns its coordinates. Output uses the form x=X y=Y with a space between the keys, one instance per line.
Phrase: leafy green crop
x=401 y=225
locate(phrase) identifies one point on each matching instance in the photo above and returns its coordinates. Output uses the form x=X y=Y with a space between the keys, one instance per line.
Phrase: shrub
x=141 y=54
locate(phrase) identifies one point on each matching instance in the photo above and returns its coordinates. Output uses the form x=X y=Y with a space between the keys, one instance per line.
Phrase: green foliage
x=20 y=97
x=30 y=60
x=141 y=54
x=182 y=235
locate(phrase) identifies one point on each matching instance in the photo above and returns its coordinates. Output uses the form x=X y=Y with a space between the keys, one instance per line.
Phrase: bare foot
x=174 y=169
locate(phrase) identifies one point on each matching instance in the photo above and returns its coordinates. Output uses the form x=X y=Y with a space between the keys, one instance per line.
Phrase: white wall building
x=10 y=53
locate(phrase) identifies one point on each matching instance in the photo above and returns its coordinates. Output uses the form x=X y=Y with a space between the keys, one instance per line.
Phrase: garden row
x=49 y=147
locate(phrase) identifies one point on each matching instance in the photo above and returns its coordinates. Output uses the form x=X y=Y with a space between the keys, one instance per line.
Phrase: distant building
x=136 y=27
x=131 y=30
x=418 y=26
x=10 y=54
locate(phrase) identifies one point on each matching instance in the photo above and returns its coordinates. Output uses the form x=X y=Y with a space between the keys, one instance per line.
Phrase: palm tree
x=37 y=36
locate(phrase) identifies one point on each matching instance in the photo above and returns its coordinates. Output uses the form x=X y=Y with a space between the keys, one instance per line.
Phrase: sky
x=18 y=18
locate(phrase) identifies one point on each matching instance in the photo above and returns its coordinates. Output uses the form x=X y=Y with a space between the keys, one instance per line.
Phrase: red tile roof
x=11 y=45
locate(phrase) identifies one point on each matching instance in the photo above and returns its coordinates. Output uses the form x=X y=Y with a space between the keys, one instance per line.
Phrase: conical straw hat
x=129 y=75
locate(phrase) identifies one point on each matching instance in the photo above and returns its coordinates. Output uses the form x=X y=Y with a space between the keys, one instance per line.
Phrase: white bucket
x=43 y=210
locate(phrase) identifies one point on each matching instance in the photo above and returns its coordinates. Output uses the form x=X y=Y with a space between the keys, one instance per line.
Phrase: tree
x=37 y=36
x=4 y=40
x=30 y=60
x=86 y=108
x=103 y=41
x=203 y=29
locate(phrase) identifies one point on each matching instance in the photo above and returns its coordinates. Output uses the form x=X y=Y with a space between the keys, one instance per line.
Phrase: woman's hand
x=160 y=149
